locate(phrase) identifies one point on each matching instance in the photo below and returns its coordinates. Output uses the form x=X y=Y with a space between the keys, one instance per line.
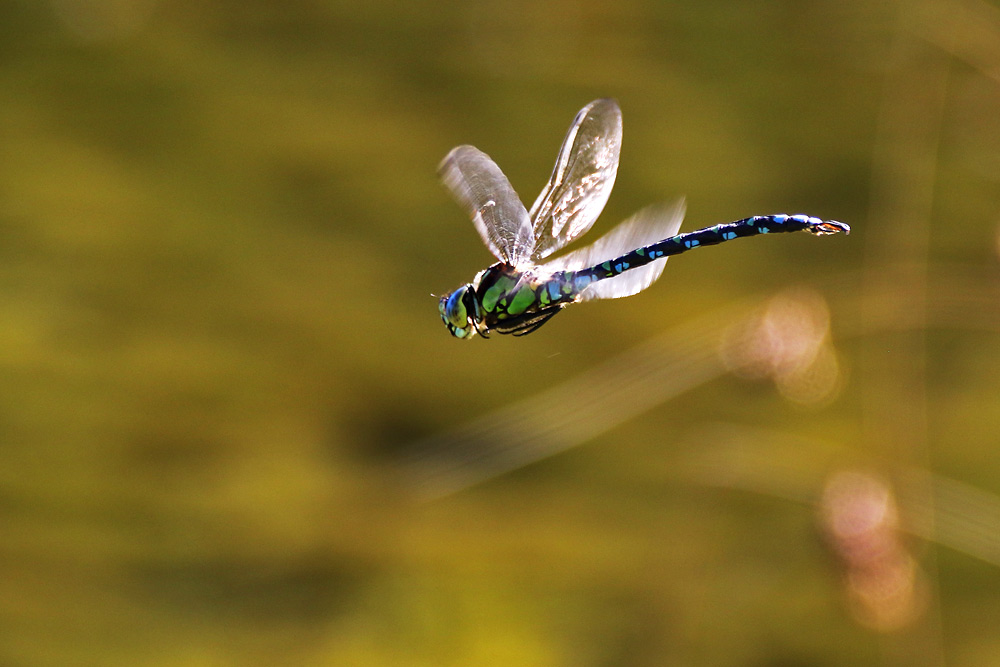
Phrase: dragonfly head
x=459 y=311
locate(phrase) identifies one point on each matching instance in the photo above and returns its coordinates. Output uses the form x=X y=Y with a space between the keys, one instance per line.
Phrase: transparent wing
x=582 y=179
x=649 y=225
x=478 y=185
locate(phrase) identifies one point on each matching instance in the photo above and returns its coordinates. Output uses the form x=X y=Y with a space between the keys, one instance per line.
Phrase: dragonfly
x=521 y=292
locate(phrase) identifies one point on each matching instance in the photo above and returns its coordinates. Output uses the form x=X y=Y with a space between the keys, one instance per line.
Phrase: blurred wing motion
x=645 y=227
x=582 y=179
x=478 y=185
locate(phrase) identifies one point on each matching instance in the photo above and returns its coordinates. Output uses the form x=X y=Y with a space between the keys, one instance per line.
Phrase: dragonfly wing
x=649 y=225
x=582 y=179
x=478 y=185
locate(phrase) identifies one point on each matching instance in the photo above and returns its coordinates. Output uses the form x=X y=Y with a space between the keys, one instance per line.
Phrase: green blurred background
x=234 y=431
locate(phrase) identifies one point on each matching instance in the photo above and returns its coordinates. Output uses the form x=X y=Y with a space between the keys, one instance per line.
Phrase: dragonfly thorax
x=459 y=311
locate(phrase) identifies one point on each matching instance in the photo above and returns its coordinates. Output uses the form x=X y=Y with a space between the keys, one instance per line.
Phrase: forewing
x=649 y=225
x=478 y=185
x=582 y=179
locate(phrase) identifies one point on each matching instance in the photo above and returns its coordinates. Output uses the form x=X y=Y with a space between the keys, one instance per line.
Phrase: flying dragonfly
x=520 y=292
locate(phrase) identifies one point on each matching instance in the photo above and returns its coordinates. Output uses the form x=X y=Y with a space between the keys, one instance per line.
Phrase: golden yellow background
x=234 y=431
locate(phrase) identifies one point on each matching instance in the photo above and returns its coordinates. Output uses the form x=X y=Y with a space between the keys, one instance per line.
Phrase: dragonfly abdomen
x=675 y=245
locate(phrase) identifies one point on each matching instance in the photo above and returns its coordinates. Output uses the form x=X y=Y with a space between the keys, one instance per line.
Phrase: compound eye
x=454 y=310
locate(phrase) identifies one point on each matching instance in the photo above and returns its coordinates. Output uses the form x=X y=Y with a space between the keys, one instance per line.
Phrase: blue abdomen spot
x=729 y=235
x=780 y=219
x=691 y=243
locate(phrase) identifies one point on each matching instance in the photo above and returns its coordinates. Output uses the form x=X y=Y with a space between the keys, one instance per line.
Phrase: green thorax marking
x=496 y=292
x=522 y=299
x=504 y=292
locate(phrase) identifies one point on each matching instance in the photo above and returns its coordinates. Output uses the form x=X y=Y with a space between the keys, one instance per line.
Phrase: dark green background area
x=220 y=232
